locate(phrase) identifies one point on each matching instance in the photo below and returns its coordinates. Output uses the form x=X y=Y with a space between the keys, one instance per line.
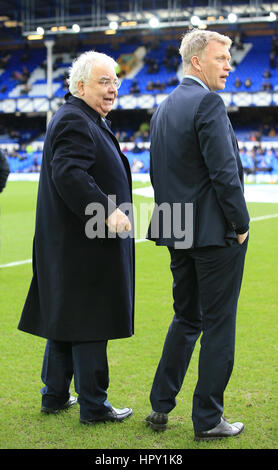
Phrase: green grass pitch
x=252 y=393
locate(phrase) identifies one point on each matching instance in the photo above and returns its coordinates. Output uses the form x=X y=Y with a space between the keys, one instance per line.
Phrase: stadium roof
x=21 y=17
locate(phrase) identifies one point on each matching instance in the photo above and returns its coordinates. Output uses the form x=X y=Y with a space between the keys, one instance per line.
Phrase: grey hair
x=81 y=68
x=194 y=42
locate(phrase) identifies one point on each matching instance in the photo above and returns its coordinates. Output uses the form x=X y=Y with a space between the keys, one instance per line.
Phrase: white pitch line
x=139 y=240
x=264 y=217
x=16 y=263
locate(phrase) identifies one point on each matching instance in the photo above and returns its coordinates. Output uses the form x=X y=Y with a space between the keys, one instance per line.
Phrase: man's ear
x=80 y=88
x=195 y=61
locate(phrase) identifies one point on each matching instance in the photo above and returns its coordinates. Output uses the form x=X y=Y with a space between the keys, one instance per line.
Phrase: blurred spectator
x=4 y=170
x=137 y=149
x=25 y=73
x=134 y=88
x=136 y=166
x=272 y=60
x=247 y=161
x=173 y=81
x=266 y=129
x=152 y=65
x=18 y=76
x=263 y=165
x=22 y=156
x=30 y=149
x=13 y=154
x=238 y=43
x=238 y=82
x=58 y=61
x=172 y=58
x=171 y=63
x=25 y=89
x=248 y=82
x=36 y=167
x=273 y=63
x=143 y=132
x=255 y=136
x=5 y=56
x=269 y=157
x=267 y=73
x=144 y=126
x=155 y=86
x=267 y=86
x=64 y=78
x=21 y=77
x=272 y=132
x=122 y=136
x=158 y=85
x=274 y=45
x=14 y=134
x=171 y=51
x=145 y=136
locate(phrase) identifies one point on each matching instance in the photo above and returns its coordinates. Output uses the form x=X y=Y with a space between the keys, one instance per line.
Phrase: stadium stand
x=255 y=51
x=147 y=68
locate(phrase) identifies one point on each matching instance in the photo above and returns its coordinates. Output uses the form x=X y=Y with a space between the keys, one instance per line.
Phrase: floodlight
x=154 y=22
x=75 y=28
x=113 y=25
x=232 y=17
x=40 y=30
x=195 y=20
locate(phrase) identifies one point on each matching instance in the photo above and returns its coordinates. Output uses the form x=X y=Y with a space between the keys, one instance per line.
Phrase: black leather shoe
x=111 y=415
x=223 y=429
x=71 y=402
x=157 y=421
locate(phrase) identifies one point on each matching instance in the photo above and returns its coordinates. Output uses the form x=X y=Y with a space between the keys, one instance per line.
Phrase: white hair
x=194 y=42
x=81 y=68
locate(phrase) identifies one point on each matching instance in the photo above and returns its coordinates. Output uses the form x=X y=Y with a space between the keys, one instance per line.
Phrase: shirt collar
x=81 y=104
x=197 y=80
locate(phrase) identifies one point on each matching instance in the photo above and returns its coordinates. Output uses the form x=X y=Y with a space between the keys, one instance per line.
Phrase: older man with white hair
x=82 y=291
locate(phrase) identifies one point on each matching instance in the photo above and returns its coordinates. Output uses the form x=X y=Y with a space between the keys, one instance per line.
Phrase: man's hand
x=241 y=237
x=118 y=222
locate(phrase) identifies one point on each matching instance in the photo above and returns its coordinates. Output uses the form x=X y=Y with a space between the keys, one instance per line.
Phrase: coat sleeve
x=212 y=126
x=74 y=154
x=4 y=171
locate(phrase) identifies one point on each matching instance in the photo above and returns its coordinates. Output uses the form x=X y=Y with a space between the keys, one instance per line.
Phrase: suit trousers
x=87 y=363
x=206 y=287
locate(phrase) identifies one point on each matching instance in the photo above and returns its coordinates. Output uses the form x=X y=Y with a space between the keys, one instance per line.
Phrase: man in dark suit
x=82 y=291
x=195 y=162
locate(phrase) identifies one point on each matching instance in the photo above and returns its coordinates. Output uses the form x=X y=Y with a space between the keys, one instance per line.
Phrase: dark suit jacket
x=82 y=288
x=195 y=159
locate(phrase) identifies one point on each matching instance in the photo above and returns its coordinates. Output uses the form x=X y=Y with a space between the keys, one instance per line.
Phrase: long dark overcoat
x=83 y=286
